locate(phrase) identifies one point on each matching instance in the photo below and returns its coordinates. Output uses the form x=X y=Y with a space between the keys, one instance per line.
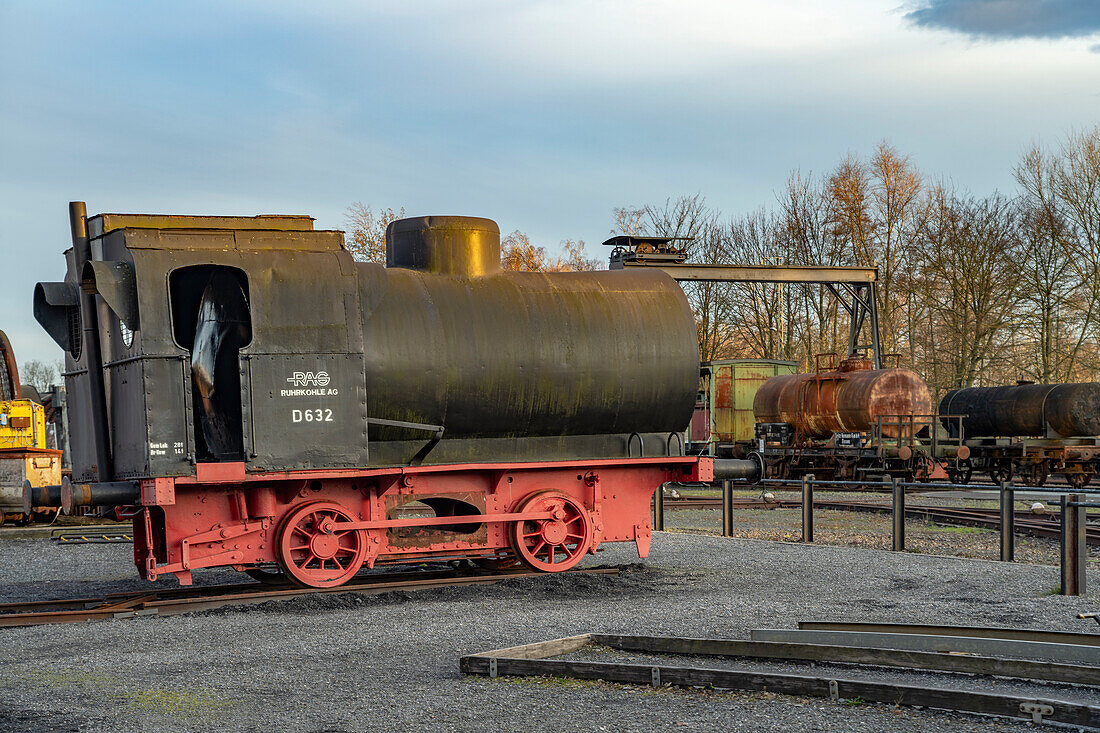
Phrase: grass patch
x=1055 y=591
x=953 y=529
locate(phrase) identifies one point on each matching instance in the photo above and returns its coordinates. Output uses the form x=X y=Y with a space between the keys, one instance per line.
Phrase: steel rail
x=945 y=644
x=173 y=601
x=982 y=632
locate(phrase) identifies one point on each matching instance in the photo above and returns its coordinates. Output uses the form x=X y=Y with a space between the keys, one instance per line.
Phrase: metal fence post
x=899 y=514
x=1073 y=545
x=1008 y=524
x=727 y=508
x=808 y=508
x=659 y=509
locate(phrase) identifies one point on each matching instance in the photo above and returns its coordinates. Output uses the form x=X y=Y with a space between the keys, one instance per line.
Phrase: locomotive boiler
x=260 y=397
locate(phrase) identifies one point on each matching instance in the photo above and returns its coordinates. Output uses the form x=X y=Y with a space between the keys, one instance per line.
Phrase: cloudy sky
x=542 y=114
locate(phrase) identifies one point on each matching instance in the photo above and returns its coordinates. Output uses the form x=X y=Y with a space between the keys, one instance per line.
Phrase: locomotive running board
x=533 y=660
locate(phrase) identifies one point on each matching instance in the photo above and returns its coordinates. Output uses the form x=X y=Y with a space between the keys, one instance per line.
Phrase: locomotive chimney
x=467 y=246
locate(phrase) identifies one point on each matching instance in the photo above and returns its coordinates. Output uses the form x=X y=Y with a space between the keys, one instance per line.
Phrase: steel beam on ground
x=819 y=684
x=982 y=632
x=1065 y=653
x=957 y=663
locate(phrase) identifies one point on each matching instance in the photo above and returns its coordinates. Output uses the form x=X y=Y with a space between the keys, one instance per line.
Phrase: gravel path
x=349 y=663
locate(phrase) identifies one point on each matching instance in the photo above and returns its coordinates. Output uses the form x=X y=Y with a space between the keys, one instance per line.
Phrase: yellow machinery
x=22 y=424
x=23 y=452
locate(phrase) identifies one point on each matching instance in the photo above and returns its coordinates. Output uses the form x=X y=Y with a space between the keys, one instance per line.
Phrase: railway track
x=174 y=601
x=1025 y=522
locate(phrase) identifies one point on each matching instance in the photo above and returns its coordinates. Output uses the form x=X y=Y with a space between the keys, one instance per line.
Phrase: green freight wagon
x=723 y=409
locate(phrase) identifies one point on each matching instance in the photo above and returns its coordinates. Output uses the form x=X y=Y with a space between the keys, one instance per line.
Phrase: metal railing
x=1072 y=526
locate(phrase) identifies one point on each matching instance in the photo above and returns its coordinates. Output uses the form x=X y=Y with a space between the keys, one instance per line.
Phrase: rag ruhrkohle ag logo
x=305 y=379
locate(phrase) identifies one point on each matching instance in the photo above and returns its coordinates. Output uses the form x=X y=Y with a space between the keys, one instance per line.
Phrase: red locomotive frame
x=322 y=526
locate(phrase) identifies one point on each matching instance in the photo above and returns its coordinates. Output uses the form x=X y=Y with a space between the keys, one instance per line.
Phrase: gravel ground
x=350 y=663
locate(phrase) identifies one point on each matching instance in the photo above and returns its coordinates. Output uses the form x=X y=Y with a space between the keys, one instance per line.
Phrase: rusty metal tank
x=1026 y=409
x=848 y=398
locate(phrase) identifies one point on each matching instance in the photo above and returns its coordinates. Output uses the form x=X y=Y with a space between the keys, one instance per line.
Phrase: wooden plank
x=898 y=658
x=802 y=685
x=984 y=632
x=1065 y=653
x=541 y=649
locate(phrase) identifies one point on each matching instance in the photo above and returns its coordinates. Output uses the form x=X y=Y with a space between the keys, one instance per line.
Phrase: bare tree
x=1058 y=309
x=519 y=253
x=40 y=374
x=628 y=221
x=367 y=231
x=969 y=277
x=576 y=259
x=811 y=239
x=761 y=313
x=878 y=208
x=1063 y=192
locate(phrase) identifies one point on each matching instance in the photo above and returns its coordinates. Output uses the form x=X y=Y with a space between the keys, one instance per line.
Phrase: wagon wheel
x=960 y=472
x=1078 y=480
x=1037 y=473
x=553 y=544
x=311 y=556
x=1001 y=472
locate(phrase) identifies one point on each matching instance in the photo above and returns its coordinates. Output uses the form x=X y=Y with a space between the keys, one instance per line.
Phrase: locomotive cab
x=195 y=361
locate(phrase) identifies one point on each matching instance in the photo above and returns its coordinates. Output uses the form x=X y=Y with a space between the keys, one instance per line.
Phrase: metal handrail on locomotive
x=258 y=398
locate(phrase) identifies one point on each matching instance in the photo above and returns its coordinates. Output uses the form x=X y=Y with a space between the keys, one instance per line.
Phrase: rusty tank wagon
x=846 y=420
x=1027 y=432
x=258 y=399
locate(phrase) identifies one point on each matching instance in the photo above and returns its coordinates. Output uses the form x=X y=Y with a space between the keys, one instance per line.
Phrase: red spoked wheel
x=313 y=550
x=553 y=544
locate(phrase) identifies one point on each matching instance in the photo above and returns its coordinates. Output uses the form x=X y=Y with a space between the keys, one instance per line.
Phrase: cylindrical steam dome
x=444 y=245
